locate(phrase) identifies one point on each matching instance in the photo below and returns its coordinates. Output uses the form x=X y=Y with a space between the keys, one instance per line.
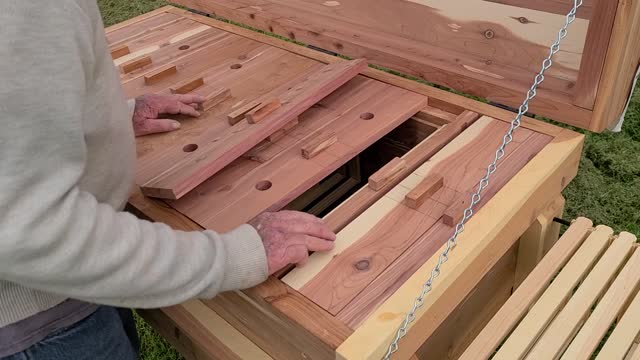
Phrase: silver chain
x=484 y=182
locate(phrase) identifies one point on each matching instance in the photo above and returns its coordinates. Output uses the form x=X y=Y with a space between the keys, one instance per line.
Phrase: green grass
x=606 y=190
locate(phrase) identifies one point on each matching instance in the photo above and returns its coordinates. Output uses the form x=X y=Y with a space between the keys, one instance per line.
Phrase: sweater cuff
x=131 y=103
x=246 y=259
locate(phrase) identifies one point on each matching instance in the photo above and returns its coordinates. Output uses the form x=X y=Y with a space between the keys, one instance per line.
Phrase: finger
x=176 y=107
x=317 y=244
x=154 y=126
x=300 y=215
x=189 y=98
x=305 y=227
x=297 y=254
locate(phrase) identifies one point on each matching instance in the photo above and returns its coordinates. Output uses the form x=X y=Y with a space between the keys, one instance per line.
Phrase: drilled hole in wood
x=362 y=265
x=367 y=116
x=184 y=47
x=190 y=148
x=236 y=66
x=264 y=185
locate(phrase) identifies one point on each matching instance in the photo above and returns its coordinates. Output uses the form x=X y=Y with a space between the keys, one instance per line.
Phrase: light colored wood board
x=624 y=334
x=434 y=64
x=505 y=320
x=620 y=66
x=261 y=111
x=290 y=174
x=538 y=238
x=608 y=309
x=424 y=190
x=184 y=172
x=402 y=82
x=525 y=335
x=427 y=244
x=473 y=313
x=487 y=236
x=365 y=197
x=159 y=74
x=566 y=324
x=597 y=40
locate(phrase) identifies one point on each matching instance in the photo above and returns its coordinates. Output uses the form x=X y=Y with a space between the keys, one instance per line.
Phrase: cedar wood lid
x=488 y=48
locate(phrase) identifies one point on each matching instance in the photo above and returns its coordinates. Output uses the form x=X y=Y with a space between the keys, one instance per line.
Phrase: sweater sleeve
x=54 y=236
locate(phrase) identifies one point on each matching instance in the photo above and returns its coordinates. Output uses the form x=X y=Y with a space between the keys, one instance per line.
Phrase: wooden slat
x=484 y=345
x=559 y=333
x=178 y=173
x=608 y=309
x=555 y=296
x=485 y=240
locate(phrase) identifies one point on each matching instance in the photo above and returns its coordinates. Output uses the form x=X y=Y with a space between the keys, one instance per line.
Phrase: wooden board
x=173 y=173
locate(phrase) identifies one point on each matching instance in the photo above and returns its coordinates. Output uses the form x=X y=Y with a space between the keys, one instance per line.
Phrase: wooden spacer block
x=382 y=177
x=318 y=145
x=453 y=214
x=156 y=76
x=427 y=187
x=282 y=132
x=264 y=109
x=119 y=51
x=237 y=115
x=214 y=98
x=135 y=64
x=187 y=86
x=435 y=116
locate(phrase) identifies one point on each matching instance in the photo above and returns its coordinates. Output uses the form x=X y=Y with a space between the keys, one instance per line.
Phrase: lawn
x=606 y=190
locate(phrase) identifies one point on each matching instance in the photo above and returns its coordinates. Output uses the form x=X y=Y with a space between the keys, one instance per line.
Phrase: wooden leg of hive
x=538 y=239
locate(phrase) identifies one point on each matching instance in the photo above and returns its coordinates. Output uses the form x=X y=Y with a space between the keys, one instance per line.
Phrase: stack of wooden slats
x=580 y=302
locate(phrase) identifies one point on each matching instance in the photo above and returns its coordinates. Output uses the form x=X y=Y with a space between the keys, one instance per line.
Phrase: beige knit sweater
x=66 y=169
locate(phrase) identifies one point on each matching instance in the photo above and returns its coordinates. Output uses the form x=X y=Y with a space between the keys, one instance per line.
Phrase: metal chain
x=484 y=182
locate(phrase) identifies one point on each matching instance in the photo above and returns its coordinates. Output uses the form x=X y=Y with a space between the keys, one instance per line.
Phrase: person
x=70 y=259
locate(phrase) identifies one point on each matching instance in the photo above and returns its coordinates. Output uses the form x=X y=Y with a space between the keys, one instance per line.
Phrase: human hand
x=288 y=236
x=149 y=108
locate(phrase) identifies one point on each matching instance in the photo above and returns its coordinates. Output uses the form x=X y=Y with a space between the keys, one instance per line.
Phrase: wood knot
x=489 y=34
x=523 y=20
x=362 y=265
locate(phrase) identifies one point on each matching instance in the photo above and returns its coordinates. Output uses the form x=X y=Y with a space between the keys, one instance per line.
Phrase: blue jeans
x=107 y=334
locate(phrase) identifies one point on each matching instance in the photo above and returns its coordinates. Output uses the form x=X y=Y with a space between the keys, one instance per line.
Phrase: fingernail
x=175 y=125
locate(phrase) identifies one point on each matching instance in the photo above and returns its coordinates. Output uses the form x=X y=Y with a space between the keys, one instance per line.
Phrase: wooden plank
x=621 y=63
x=506 y=319
x=596 y=43
x=486 y=238
x=386 y=173
x=159 y=74
x=119 y=51
x=608 y=309
x=187 y=86
x=321 y=26
x=178 y=173
x=135 y=64
x=563 y=328
x=215 y=97
x=525 y=335
x=261 y=111
x=624 y=334
x=471 y=105
x=318 y=144
x=425 y=189
x=538 y=239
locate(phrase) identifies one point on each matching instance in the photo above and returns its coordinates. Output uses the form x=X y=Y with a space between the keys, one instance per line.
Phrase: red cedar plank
x=237 y=115
x=135 y=64
x=427 y=187
x=187 y=86
x=422 y=249
x=119 y=51
x=381 y=177
x=185 y=171
x=215 y=97
x=260 y=112
x=157 y=75
x=596 y=44
x=318 y=145
x=365 y=197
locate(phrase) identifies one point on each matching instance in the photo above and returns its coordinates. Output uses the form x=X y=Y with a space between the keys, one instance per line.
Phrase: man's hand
x=149 y=108
x=288 y=236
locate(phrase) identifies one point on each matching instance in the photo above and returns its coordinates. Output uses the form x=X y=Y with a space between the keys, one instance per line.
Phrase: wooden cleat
x=119 y=51
x=237 y=115
x=261 y=111
x=382 y=177
x=187 y=86
x=156 y=76
x=427 y=187
x=135 y=64
x=214 y=98
x=318 y=145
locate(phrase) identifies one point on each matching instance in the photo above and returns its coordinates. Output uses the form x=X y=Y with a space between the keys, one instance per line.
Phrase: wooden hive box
x=402 y=160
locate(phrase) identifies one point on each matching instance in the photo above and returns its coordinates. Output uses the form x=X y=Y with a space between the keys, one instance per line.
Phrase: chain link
x=484 y=182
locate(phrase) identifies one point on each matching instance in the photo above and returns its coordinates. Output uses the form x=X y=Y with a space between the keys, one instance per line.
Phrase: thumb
x=154 y=126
